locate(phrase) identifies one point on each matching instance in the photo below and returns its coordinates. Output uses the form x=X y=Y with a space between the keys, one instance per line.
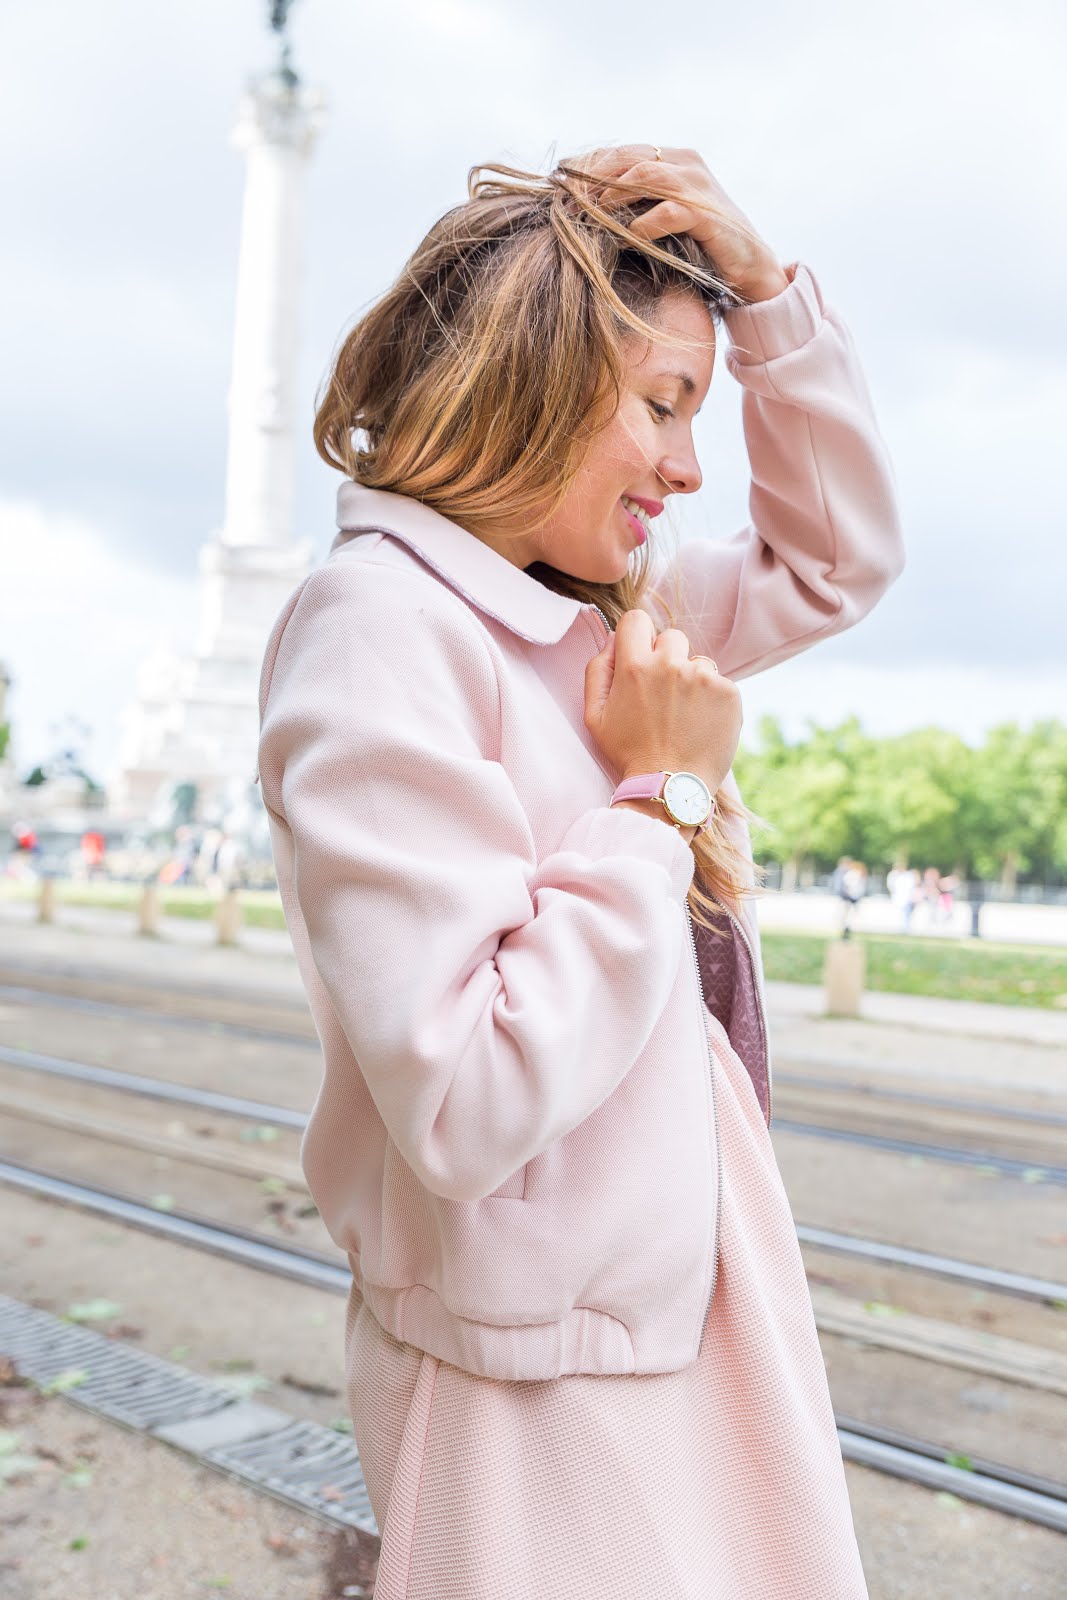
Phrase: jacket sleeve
x=824 y=542
x=493 y=1000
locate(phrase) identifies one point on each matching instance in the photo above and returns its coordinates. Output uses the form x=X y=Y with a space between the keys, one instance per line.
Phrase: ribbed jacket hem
x=581 y=1341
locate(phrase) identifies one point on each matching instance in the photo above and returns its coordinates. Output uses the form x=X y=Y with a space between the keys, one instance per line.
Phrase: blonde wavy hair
x=477 y=381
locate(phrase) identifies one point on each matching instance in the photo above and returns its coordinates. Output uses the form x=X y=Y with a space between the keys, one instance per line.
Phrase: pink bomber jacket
x=515 y=1139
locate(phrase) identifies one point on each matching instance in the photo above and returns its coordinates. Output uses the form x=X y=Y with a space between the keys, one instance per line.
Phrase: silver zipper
x=711 y=1078
x=714 y=1117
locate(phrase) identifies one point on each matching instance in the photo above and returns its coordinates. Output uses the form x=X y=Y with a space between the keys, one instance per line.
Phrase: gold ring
x=705 y=658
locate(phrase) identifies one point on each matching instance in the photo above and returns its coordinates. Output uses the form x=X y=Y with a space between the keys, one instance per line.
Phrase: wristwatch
x=686 y=798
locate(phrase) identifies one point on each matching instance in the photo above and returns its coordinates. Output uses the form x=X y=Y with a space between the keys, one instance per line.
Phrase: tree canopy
x=920 y=798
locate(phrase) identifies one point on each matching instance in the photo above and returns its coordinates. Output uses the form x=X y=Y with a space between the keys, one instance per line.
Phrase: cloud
x=78 y=617
x=908 y=156
x=818 y=687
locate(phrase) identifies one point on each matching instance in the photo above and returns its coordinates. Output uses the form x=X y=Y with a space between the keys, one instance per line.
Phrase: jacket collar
x=484 y=577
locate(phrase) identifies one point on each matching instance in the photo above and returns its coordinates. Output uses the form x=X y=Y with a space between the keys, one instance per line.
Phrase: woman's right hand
x=651 y=709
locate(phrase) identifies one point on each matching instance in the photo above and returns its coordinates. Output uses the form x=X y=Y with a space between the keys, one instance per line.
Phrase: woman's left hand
x=691 y=201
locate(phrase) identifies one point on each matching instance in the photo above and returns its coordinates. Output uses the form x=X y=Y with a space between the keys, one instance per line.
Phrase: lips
x=636 y=519
x=653 y=507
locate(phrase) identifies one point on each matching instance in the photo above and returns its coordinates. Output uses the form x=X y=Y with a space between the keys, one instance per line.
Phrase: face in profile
x=643 y=456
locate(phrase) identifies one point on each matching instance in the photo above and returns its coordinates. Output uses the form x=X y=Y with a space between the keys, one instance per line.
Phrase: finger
x=613 y=160
x=635 y=637
x=670 y=216
x=599 y=673
x=647 y=177
x=673 y=645
x=635 y=164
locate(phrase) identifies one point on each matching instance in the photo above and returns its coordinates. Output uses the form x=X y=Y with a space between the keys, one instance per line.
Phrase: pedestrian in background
x=930 y=896
x=946 y=897
x=904 y=892
x=853 y=889
x=850 y=885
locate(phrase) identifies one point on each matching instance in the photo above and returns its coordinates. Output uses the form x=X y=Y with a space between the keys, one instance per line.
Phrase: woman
x=580 y=1350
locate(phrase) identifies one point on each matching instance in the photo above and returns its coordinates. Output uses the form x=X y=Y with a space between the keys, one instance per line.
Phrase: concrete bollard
x=148 y=911
x=46 y=903
x=228 y=917
x=844 y=975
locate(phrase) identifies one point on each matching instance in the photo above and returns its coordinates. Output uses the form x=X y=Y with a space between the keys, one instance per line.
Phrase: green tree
x=802 y=791
x=925 y=797
x=906 y=802
x=1016 y=813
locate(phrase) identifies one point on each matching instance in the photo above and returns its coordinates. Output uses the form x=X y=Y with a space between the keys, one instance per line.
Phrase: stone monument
x=195 y=719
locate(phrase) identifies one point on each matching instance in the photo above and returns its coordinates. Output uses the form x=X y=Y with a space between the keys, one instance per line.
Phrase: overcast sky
x=913 y=156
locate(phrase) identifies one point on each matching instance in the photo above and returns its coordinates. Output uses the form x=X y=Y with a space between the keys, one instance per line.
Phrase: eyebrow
x=686 y=381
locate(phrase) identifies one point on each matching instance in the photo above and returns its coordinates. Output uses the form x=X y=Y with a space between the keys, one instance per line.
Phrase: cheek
x=624 y=456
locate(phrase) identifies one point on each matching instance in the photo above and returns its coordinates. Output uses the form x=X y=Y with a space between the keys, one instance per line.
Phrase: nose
x=681 y=470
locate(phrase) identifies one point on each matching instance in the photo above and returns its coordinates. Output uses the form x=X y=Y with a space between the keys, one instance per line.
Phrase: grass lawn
x=953 y=969
x=262 y=907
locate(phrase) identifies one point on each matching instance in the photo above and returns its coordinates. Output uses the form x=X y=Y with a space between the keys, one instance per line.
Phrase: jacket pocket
x=415 y=1224
x=513 y=1188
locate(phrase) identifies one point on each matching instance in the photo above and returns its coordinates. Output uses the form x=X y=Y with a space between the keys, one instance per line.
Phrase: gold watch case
x=687 y=799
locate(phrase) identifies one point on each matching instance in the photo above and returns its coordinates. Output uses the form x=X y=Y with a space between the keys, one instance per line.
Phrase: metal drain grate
x=304 y=1463
x=127 y=1385
x=311 y=1465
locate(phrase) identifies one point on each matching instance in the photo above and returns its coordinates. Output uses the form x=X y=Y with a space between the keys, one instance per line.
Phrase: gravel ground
x=102 y=1514
x=98 y=1513
x=94 y=1512
x=917 y=1545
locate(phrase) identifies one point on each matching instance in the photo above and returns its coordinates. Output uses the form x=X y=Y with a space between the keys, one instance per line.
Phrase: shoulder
x=359 y=623
x=379 y=584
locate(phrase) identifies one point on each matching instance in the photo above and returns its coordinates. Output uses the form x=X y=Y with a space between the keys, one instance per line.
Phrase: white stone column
x=194 y=719
x=276 y=128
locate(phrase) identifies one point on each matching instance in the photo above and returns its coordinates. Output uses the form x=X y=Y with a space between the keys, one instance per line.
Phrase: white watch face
x=688 y=797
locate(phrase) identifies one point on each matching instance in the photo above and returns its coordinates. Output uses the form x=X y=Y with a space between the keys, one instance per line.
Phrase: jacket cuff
x=619 y=830
x=774 y=327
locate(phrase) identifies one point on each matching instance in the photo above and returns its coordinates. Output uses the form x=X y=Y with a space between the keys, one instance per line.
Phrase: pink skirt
x=721 y=1482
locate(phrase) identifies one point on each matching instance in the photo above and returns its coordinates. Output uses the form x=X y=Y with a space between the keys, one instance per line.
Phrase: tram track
x=1038 y=1163
x=104 y=993
x=30 y=1079
x=222 y=1156
x=274 y=1165
x=1010 y=1489
x=790 y=1067
x=913 y=1097
x=1038 y=1166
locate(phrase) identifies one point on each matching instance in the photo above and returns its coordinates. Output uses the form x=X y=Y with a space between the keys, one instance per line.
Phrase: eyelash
x=662 y=412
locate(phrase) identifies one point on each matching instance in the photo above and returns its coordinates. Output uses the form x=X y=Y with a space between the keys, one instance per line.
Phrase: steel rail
x=1022 y=1285
x=285 y=1117
x=1008 y=1166
x=116 y=1008
x=932 y=1102
x=1002 y=1488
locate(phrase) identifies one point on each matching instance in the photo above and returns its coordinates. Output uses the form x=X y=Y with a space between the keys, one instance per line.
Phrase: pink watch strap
x=644 y=786
x=650 y=786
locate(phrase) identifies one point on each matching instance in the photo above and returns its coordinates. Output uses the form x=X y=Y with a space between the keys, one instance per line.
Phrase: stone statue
x=279 y=13
x=279 y=18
